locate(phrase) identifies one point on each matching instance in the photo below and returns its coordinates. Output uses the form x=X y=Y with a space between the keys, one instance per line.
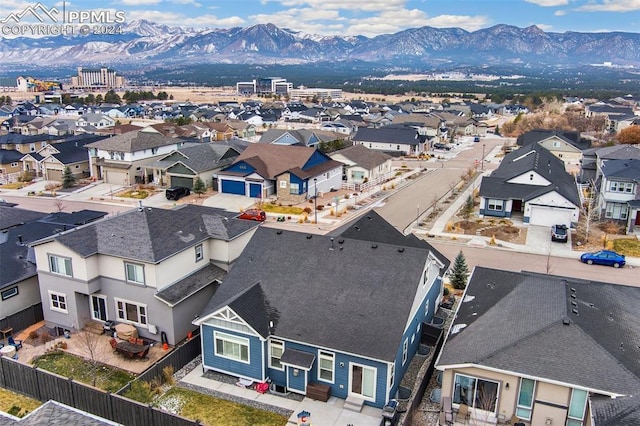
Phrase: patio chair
x=16 y=343
x=139 y=341
x=463 y=414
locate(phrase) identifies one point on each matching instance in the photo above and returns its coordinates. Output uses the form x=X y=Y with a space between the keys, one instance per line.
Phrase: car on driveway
x=253 y=214
x=439 y=145
x=604 y=257
x=559 y=233
x=176 y=192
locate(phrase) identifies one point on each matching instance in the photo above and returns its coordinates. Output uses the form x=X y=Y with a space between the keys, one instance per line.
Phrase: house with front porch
x=533 y=183
x=543 y=350
x=152 y=268
x=290 y=172
x=121 y=159
x=341 y=313
x=619 y=194
x=362 y=165
x=395 y=140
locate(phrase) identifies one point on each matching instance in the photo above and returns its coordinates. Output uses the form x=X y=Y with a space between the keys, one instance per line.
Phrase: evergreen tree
x=459 y=272
x=467 y=208
x=68 y=179
x=199 y=186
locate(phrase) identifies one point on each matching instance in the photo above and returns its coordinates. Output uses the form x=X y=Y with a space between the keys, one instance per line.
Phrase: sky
x=366 y=17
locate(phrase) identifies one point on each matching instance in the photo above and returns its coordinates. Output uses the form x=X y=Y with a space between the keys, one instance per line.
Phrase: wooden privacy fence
x=23 y=319
x=44 y=386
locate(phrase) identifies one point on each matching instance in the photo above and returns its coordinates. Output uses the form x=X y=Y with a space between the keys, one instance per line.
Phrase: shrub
x=445 y=292
x=307 y=210
x=140 y=391
x=26 y=176
x=33 y=334
x=449 y=226
x=45 y=337
x=320 y=207
x=167 y=374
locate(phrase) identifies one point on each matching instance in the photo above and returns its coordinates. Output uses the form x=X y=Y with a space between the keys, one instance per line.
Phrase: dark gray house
x=395 y=140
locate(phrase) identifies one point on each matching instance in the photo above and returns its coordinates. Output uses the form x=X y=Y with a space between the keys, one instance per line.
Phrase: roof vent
x=341 y=241
x=566 y=321
x=279 y=231
x=574 y=303
x=573 y=290
x=331 y=248
x=309 y=236
x=400 y=249
x=575 y=311
x=357 y=228
x=140 y=208
x=573 y=296
x=374 y=246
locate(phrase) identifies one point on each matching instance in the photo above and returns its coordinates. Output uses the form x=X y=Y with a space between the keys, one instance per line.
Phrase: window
x=576 y=407
x=405 y=351
x=60 y=265
x=58 y=301
x=199 y=255
x=134 y=273
x=131 y=312
x=525 y=398
x=616 y=211
x=6 y=294
x=294 y=188
x=357 y=175
x=276 y=349
x=621 y=187
x=495 y=205
x=283 y=184
x=392 y=375
x=231 y=347
x=426 y=308
x=476 y=393
x=326 y=364
x=14 y=164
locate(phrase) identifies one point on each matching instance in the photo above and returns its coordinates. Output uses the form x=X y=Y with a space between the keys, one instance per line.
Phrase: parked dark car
x=439 y=145
x=253 y=214
x=176 y=192
x=604 y=257
x=559 y=233
x=476 y=139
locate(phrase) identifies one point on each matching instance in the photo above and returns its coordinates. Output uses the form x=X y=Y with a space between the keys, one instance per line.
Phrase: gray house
x=152 y=268
x=19 y=294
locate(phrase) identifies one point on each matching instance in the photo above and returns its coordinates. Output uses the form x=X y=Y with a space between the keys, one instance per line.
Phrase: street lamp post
x=315 y=199
x=482 y=159
x=418 y=215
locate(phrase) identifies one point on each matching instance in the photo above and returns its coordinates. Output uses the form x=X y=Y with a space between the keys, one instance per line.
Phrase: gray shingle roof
x=133 y=142
x=622 y=169
x=200 y=157
x=517 y=322
x=311 y=286
x=53 y=413
x=364 y=157
x=152 y=234
x=389 y=134
x=190 y=285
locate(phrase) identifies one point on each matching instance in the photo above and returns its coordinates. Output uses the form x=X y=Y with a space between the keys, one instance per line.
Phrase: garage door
x=233 y=187
x=53 y=174
x=255 y=190
x=548 y=216
x=116 y=177
x=182 y=181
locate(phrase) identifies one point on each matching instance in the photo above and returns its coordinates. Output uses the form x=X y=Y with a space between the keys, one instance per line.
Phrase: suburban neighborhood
x=326 y=257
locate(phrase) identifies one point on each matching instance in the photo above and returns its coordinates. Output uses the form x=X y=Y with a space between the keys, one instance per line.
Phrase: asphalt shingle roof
x=389 y=134
x=200 y=157
x=133 y=142
x=364 y=157
x=527 y=323
x=190 y=285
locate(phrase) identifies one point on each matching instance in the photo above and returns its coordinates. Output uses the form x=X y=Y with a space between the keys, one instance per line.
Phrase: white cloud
x=469 y=23
x=139 y=2
x=611 y=6
x=549 y=3
x=186 y=2
x=544 y=27
x=173 y=19
x=365 y=6
x=560 y=13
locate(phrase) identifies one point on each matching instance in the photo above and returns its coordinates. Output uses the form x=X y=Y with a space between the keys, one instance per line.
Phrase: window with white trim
x=60 y=265
x=577 y=407
x=495 y=205
x=525 y=398
x=231 y=347
x=392 y=375
x=58 y=302
x=199 y=254
x=276 y=349
x=134 y=273
x=131 y=312
x=283 y=184
x=294 y=188
x=405 y=351
x=9 y=293
x=621 y=187
x=326 y=366
x=616 y=211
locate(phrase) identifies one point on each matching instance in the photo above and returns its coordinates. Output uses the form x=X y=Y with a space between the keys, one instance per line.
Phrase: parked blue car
x=604 y=257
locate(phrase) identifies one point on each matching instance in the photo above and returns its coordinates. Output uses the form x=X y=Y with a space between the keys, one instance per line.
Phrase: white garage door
x=115 y=177
x=548 y=216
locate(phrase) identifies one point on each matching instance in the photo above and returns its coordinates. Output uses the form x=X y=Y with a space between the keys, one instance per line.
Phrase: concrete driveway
x=539 y=241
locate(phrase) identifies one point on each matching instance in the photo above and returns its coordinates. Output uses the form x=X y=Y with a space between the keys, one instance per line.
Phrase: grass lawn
x=213 y=411
x=108 y=378
x=16 y=404
x=138 y=194
x=13 y=185
x=272 y=208
x=627 y=246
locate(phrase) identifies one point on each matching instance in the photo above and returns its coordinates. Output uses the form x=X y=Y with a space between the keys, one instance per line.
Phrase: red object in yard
x=165 y=346
x=262 y=387
x=189 y=335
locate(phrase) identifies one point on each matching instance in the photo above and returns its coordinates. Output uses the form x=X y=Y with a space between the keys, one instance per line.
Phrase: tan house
x=363 y=165
x=542 y=350
x=566 y=145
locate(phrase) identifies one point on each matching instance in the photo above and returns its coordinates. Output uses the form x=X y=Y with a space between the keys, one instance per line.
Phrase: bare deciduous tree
x=94 y=348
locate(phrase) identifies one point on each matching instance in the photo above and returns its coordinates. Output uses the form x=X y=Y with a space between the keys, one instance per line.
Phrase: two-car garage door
x=549 y=216
x=239 y=188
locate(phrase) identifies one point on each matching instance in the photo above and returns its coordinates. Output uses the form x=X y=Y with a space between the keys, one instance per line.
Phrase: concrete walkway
x=330 y=413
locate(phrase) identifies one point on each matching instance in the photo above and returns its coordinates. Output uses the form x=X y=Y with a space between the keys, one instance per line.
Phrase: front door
x=363 y=381
x=99 y=308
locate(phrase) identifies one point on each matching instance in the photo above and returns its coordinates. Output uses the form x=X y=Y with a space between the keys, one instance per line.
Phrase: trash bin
x=390 y=413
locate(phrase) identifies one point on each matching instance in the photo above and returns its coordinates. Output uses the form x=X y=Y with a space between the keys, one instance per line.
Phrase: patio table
x=132 y=350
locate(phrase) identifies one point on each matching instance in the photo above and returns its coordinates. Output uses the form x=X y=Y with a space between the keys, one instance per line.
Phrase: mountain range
x=144 y=43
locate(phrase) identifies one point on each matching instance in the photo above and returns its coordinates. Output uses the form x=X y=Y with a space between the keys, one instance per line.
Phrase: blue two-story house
x=345 y=312
x=292 y=173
